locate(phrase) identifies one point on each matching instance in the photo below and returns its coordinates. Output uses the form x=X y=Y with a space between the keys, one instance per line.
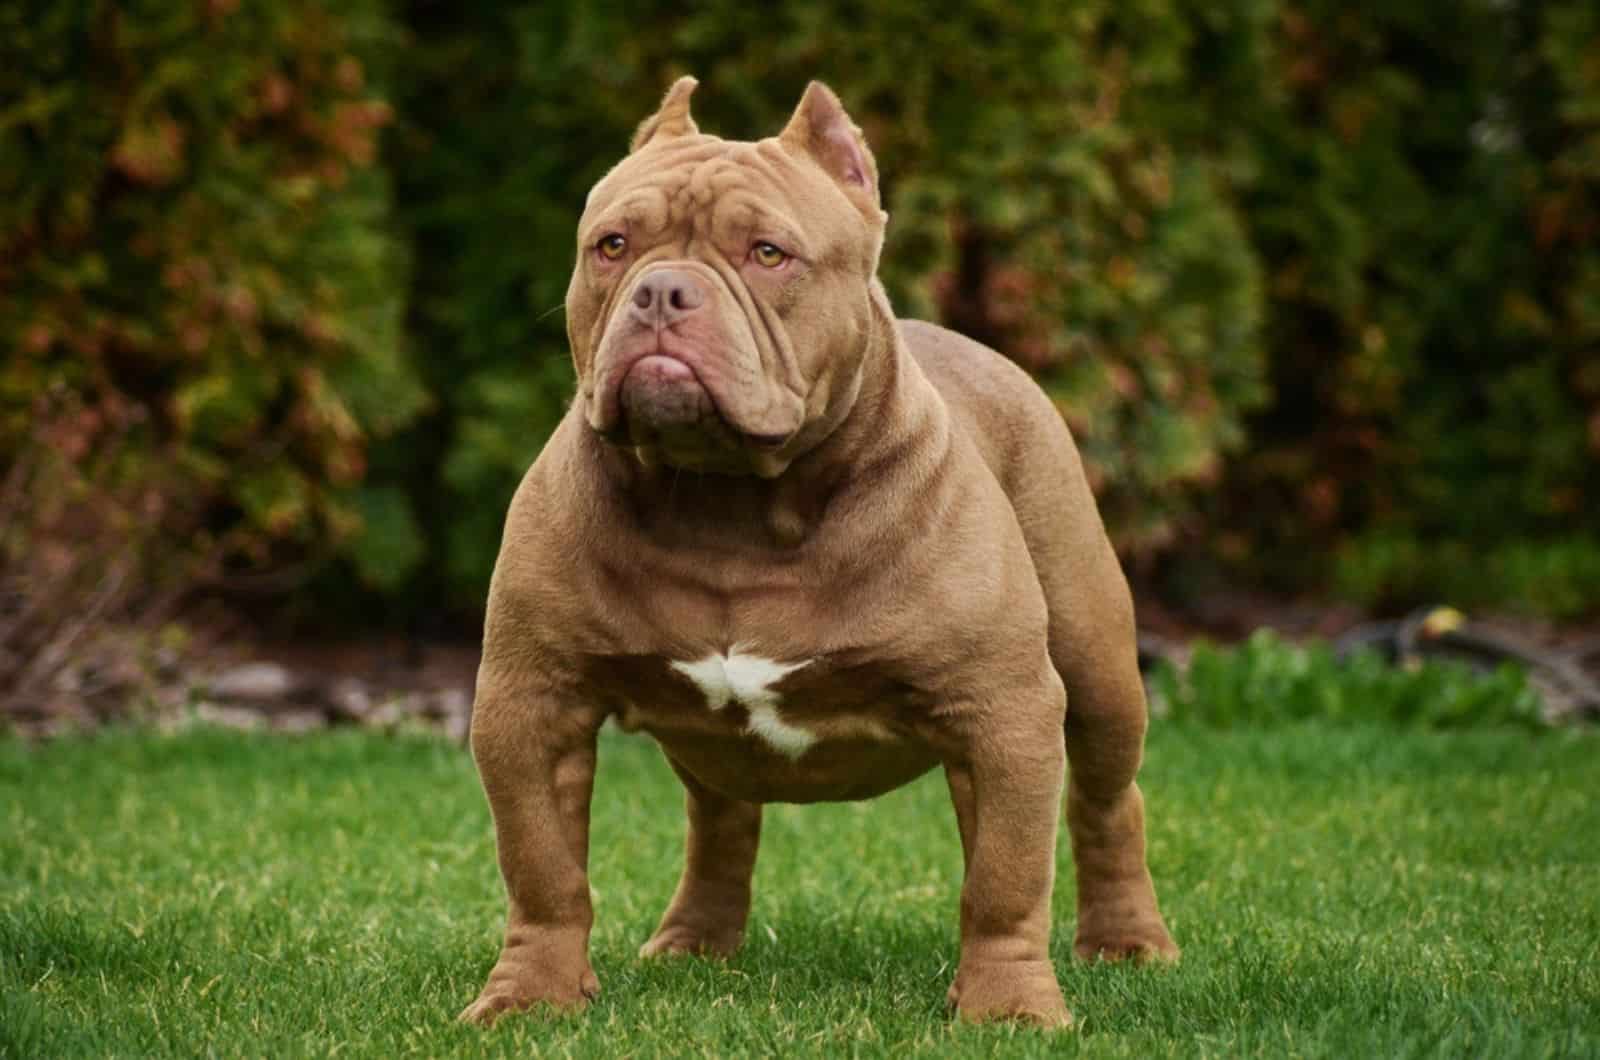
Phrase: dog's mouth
x=662 y=394
x=661 y=400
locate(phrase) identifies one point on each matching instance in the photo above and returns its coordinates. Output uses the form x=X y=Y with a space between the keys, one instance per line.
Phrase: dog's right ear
x=672 y=120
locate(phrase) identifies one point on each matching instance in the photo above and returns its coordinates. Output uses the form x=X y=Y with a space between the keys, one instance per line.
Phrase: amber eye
x=768 y=256
x=611 y=246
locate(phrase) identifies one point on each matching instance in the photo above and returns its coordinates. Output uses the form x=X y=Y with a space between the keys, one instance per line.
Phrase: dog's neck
x=896 y=423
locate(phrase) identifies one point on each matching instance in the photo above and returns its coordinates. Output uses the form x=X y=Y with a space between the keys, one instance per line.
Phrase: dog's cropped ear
x=821 y=128
x=672 y=120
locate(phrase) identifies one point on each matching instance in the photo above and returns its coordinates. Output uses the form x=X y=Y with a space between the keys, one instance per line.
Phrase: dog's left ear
x=672 y=119
x=821 y=128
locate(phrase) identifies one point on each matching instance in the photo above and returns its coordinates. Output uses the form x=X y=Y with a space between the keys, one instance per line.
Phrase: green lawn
x=1352 y=891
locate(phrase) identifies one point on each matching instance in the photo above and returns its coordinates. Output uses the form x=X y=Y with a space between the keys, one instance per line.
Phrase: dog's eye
x=611 y=246
x=768 y=255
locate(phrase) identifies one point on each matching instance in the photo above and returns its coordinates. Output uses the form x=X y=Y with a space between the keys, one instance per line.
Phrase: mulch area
x=237 y=679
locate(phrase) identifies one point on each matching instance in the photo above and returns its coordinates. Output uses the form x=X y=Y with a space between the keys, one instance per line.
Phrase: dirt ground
x=231 y=675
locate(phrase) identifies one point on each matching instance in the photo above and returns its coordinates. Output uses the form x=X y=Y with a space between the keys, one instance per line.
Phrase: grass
x=1354 y=889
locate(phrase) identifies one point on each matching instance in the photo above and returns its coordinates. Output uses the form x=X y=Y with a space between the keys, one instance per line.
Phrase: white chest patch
x=747 y=680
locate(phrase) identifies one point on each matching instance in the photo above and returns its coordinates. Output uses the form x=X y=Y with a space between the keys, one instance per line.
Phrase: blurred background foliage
x=1318 y=287
x=200 y=274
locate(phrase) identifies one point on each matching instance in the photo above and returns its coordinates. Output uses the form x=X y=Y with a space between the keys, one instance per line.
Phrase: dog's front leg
x=535 y=750
x=1006 y=783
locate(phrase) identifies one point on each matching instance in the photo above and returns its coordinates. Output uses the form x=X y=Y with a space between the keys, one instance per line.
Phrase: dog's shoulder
x=544 y=566
x=990 y=398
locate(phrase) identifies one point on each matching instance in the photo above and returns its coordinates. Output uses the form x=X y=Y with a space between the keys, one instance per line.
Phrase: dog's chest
x=800 y=710
x=750 y=681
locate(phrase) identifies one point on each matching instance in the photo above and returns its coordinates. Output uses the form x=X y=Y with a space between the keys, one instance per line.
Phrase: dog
x=816 y=552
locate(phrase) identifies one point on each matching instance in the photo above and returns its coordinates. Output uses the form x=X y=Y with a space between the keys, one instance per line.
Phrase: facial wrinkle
x=704 y=188
x=650 y=212
x=779 y=337
x=711 y=202
x=767 y=158
x=770 y=339
x=769 y=164
x=768 y=347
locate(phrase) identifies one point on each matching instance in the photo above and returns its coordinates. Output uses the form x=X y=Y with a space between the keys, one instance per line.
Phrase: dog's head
x=721 y=309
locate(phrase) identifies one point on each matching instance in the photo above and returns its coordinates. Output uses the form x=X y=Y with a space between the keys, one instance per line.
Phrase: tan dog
x=815 y=552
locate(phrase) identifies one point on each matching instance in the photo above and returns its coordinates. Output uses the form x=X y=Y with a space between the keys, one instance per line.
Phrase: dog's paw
x=1010 y=990
x=512 y=990
x=1142 y=941
x=671 y=940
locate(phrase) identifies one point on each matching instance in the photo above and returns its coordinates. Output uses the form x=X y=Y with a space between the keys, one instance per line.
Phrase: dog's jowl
x=814 y=551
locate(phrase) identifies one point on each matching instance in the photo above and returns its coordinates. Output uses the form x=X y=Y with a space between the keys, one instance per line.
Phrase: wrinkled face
x=720 y=308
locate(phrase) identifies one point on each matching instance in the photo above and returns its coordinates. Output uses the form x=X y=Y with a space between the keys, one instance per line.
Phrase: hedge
x=1317 y=286
x=196 y=240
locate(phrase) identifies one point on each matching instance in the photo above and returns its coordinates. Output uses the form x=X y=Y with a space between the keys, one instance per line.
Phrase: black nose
x=667 y=295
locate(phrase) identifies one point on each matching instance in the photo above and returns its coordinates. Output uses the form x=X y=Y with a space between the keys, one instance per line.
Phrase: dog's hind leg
x=1093 y=646
x=1117 y=912
x=708 y=912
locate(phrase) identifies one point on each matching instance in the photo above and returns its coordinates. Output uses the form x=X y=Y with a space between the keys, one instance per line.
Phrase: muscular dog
x=814 y=551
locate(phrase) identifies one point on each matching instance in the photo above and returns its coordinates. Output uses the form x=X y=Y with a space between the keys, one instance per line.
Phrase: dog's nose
x=667 y=295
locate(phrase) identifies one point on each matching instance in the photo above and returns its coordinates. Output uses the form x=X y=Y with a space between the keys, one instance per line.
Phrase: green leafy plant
x=1266 y=681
